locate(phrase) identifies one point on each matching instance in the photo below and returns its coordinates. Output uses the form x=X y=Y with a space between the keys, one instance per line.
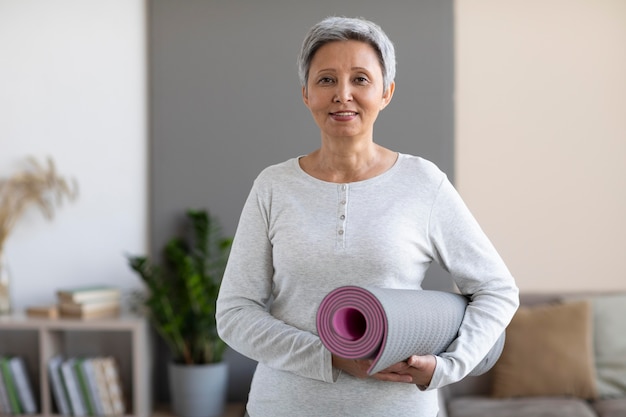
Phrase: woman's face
x=345 y=89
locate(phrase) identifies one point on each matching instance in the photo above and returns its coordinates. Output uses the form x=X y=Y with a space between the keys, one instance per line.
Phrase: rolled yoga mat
x=389 y=325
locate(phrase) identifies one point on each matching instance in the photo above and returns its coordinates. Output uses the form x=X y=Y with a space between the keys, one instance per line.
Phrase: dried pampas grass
x=38 y=184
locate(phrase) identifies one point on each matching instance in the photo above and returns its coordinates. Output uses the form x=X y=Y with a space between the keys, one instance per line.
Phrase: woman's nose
x=343 y=94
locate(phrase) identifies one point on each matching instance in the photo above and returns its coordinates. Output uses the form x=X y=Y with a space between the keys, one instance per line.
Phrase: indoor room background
x=159 y=106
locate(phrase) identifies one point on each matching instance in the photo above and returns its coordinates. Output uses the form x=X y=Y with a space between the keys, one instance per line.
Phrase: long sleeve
x=244 y=322
x=479 y=272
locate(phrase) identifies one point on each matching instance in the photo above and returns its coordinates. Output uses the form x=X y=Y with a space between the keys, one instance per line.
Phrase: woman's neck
x=348 y=164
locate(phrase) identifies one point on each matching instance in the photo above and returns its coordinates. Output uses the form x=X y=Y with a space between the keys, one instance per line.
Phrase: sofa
x=564 y=355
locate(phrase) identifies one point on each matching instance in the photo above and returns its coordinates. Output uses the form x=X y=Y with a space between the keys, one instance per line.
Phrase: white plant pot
x=198 y=390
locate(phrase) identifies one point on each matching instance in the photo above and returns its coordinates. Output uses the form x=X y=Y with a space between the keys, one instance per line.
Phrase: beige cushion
x=548 y=352
x=609 y=329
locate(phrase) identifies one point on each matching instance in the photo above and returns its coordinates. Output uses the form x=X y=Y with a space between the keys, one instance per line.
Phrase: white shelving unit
x=126 y=338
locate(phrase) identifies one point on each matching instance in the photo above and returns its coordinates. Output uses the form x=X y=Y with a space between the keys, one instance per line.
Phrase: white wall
x=73 y=87
x=541 y=136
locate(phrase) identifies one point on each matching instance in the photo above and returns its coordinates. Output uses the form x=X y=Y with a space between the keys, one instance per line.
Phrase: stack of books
x=89 y=302
x=16 y=391
x=86 y=386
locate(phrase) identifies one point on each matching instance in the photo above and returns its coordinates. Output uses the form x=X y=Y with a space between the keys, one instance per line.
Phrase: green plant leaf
x=182 y=292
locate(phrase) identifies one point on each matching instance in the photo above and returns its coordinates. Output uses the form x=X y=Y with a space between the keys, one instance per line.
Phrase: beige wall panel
x=541 y=136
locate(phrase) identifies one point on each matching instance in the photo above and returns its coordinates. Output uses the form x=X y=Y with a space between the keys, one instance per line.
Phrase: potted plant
x=180 y=303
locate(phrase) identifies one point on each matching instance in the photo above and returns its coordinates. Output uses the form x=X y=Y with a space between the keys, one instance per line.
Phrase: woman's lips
x=343 y=116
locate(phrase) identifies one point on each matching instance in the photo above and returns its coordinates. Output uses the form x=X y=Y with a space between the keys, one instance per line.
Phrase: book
x=92 y=386
x=88 y=307
x=58 y=391
x=81 y=378
x=22 y=384
x=103 y=389
x=9 y=384
x=46 y=312
x=92 y=309
x=73 y=390
x=5 y=405
x=112 y=312
x=88 y=293
x=114 y=385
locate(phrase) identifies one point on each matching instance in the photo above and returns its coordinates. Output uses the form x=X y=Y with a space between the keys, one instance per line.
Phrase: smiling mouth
x=344 y=113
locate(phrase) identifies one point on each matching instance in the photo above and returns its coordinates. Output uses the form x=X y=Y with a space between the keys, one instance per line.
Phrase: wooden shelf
x=232 y=410
x=126 y=338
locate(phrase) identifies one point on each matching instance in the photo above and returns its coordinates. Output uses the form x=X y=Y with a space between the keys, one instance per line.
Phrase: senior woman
x=352 y=213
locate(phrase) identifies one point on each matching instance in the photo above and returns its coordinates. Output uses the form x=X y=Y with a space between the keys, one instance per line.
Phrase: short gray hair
x=334 y=29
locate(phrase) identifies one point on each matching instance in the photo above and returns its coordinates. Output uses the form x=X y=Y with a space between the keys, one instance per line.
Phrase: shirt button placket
x=342 y=214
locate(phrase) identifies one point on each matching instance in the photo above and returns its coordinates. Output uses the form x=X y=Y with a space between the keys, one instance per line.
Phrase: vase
x=5 y=287
x=198 y=390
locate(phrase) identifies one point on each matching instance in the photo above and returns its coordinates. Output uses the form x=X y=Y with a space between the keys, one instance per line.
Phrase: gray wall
x=225 y=102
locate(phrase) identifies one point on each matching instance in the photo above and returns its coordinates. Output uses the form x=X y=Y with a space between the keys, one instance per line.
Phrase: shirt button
x=343 y=187
x=341 y=232
x=342 y=217
x=343 y=201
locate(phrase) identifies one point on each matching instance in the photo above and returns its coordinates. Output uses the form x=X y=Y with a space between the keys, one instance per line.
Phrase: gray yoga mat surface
x=389 y=325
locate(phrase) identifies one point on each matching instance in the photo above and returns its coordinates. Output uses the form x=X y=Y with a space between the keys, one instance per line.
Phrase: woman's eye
x=325 y=80
x=361 y=80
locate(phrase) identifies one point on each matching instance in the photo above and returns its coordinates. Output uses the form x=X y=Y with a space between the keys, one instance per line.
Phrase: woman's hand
x=416 y=370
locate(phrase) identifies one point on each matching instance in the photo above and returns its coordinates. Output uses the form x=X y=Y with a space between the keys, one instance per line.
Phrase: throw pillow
x=609 y=329
x=548 y=352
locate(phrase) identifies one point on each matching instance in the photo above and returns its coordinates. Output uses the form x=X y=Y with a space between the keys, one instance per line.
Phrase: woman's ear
x=305 y=96
x=387 y=95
